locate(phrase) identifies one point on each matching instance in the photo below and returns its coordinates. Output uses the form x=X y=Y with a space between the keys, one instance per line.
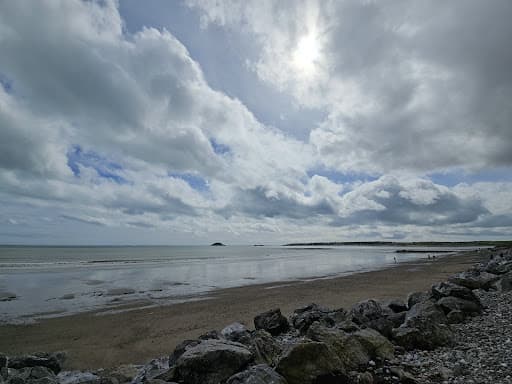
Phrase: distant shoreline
x=407 y=244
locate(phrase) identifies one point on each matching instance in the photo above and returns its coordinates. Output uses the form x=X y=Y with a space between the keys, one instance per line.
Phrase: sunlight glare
x=307 y=54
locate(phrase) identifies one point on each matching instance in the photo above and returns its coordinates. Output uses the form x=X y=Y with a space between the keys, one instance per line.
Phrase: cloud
x=410 y=86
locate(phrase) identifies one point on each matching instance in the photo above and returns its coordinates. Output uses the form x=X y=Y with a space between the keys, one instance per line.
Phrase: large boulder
x=236 y=332
x=180 y=350
x=397 y=305
x=151 y=370
x=371 y=314
x=377 y=345
x=414 y=298
x=474 y=279
x=303 y=317
x=467 y=307
x=447 y=289
x=425 y=327
x=265 y=348
x=499 y=267
x=52 y=361
x=504 y=284
x=32 y=375
x=258 y=374
x=352 y=354
x=78 y=377
x=311 y=363
x=272 y=321
x=211 y=362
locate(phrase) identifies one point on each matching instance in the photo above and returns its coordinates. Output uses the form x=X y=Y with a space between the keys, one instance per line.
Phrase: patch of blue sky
x=6 y=83
x=452 y=178
x=195 y=181
x=218 y=148
x=104 y=167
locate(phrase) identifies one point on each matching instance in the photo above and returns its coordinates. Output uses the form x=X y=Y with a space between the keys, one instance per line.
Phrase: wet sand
x=94 y=340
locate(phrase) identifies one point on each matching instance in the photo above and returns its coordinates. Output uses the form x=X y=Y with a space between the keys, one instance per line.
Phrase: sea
x=46 y=281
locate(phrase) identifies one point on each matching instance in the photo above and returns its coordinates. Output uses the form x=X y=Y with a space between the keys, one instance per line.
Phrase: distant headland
x=217 y=245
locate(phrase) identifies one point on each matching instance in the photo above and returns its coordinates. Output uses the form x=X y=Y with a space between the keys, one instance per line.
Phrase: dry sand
x=93 y=341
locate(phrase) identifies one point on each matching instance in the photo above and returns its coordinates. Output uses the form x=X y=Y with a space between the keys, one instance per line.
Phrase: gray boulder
x=236 y=332
x=397 y=305
x=467 y=307
x=414 y=298
x=455 y=317
x=78 y=377
x=505 y=283
x=180 y=350
x=352 y=354
x=377 y=345
x=32 y=375
x=425 y=327
x=272 y=321
x=258 y=374
x=265 y=348
x=151 y=370
x=311 y=363
x=52 y=361
x=474 y=279
x=447 y=289
x=371 y=314
x=499 y=267
x=303 y=317
x=211 y=362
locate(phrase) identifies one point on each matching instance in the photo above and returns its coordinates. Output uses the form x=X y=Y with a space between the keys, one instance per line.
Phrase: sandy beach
x=94 y=340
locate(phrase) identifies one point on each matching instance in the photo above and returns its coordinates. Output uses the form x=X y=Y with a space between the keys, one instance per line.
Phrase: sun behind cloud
x=307 y=54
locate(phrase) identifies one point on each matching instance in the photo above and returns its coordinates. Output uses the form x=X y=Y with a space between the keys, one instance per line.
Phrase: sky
x=265 y=121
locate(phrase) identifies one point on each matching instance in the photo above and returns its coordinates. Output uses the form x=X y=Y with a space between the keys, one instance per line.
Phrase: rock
x=77 y=377
x=258 y=374
x=272 y=321
x=446 y=289
x=397 y=318
x=499 y=267
x=403 y=376
x=180 y=350
x=451 y=303
x=52 y=361
x=302 y=318
x=32 y=375
x=218 y=244
x=125 y=373
x=352 y=354
x=371 y=314
x=309 y=363
x=397 y=305
x=360 y=378
x=3 y=361
x=474 y=279
x=455 y=317
x=505 y=283
x=377 y=345
x=211 y=362
x=416 y=297
x=214 y=334
x=424 y=328
x=236 y=332
x=151 y=370
x=265 y=348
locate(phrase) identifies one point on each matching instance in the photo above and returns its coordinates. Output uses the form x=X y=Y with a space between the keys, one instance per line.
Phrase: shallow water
x=54 y=281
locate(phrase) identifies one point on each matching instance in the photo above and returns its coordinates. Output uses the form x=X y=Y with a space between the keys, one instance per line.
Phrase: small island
x=218 y=245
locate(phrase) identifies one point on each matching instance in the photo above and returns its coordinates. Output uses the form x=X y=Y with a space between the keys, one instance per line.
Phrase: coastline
x=94 y=340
